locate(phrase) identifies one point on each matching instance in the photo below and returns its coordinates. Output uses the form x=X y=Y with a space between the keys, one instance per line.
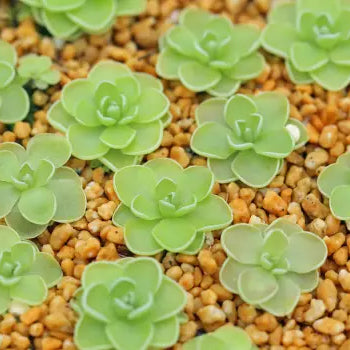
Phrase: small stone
x=211 y=314
x=329 y=326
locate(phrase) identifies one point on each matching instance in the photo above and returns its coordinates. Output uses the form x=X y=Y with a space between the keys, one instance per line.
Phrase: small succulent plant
x=39 y=70
x=314 y=38
x=14 y=100
x=114 y=115
x=165 y=207
x=34 y=187
x=334 y=183
x=207 y=52
x=270 y=266
x=227 y=337
x=25 y=273
x=246 y=138
x=127 y=305
x=68 y=19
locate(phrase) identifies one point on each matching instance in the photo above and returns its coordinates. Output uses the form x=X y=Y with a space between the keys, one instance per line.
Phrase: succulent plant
x=114 y=115
x=269 y=266
x=14 y=100
x=38 y=69
x=127 y=305
x=25 y=273
x=226 y=337
x=34 y=187
x=68 y=19
x=246 y=138
x=314 y=38
x=334 y=183
x=207 y=52
x=164 y=207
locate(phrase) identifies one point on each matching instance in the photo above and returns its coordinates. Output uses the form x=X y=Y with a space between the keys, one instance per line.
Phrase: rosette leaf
x=68 y=19
x=334 y=183
x=246 y=138
x=270 y=266
x=314 y=39
x=164 y=207
x=227 y=337
x=36 y=188
x=25 y=273
x=114 y=115
x=39 y=70
x=129 y=296
x=207 y=52
x=14 y=100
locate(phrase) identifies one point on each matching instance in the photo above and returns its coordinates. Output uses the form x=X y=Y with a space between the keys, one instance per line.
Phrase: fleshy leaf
x=169 y=300
x=243 y=243
x=339 y=202
x=254 y=169
x=166 y=333
x=133 y=181
x=38 y=205
x=169 y=62
x=307 y=282
x=174 y=234
x=222 y=169
x=332 y=77
x=8 y=237
x=212 y=213
x=46 y=266
x=257 y=285
x=211 y=110
x=11 y=194
x=248 y=67
x=91 y=333
x=58 y=24
x=305 y=252
x=119 y=136
x=30 y=290
x=198 y=77
x=211 y=140
x=94 y=15
x=333 y=176
x=306 y=57
x=85 y=141
x=138 y=237
x=22 y=226
x=53 y=148
x=115 y=159
x=229 y=274
x=69 y=195
x=286 y=298
x=59 y=118
x=14 y=104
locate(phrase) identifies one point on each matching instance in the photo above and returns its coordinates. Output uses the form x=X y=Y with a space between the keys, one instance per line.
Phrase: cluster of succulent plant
x=128 y=305
x=314 y=38
x=246 y=138
x=113 y=115
x=35 y=187
x=270 y=266
x=227 y=337
x=37 y=69
x=334 y=183
x=14 y=100
x=164 y=207
x=207 y=52
x=25 y=273
x=68 y=19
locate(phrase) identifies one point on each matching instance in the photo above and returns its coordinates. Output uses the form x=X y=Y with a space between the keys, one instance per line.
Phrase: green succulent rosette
x=127 y=305
x=207 y=52
x=25 y=273
x=246 y=138
x=314 y=38
x=14 y=100
x=39 y=70
x=334 y=183
x=35 y=188
x=270 y=266
x=164 y=207
x=227 y=337
x=114 y=115
x=68 y=19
